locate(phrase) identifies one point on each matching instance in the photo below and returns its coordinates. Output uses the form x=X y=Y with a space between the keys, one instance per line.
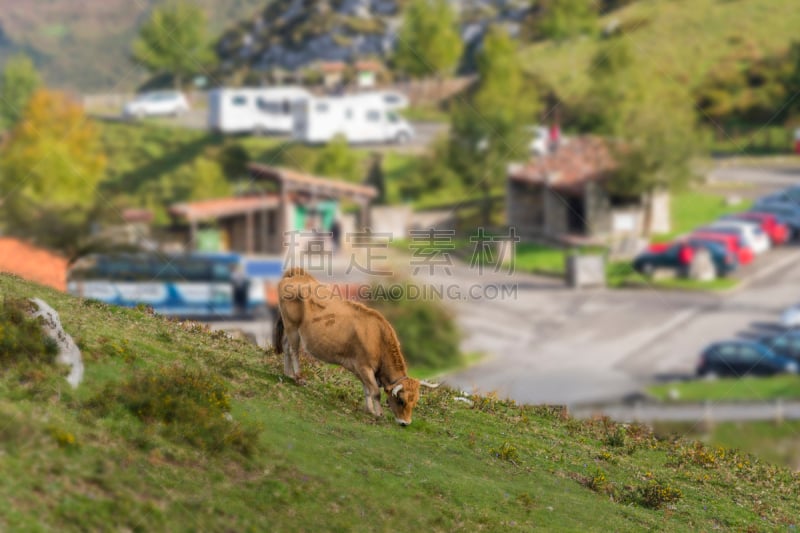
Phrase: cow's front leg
x=372 y=393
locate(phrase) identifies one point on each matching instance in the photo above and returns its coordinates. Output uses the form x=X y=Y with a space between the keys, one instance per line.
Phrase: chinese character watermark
x=430 y=248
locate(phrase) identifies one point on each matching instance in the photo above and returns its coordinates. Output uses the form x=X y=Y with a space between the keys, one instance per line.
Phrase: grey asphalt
x=196 y=119
x=699 y=413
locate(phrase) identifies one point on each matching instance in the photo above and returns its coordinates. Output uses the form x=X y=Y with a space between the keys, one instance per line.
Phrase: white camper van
x=361 y=118
x=257 y=110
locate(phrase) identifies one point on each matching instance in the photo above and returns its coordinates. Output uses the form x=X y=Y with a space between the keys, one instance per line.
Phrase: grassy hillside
x=86 y=45
x=679 y=40
x=144 y=444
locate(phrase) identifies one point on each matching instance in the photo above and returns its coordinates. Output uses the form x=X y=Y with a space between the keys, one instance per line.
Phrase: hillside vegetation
x=677 y=41
x=86 y=45
x=176 y=427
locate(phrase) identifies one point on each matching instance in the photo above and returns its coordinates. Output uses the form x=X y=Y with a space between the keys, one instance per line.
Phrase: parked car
x=156 y=103
x=678 y=256
x=785 y=344
x=791 y=317
x=777 y=231
x=788 y=214
x=740 y=358
x=731 y=242
x=750 y=232
x=790 y=195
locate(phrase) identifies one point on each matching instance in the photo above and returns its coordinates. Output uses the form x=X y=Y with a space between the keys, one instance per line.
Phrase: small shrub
x=506 y=452
x=616 y=437
x=655 y=494
x=427 y=330
x=22 y=340
x=63 y=438
x=598 y=482
x=188 y=405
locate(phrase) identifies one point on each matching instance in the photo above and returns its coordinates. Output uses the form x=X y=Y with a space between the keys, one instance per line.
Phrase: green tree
x=49 y=171
x=652 y=124
x=173 y=40
x=490 y=130
x=428 y=42
x=563 y=19
x=613 y=75
x=337 y=160
x=18 y=82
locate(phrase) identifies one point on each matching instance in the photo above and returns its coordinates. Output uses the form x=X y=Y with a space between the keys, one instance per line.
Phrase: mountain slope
x=307 y=458
x=86 y=45
x=673 y=42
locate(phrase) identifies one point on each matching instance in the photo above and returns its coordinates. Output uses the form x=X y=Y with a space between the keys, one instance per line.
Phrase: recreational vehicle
x=361 y=118
x=256 y=110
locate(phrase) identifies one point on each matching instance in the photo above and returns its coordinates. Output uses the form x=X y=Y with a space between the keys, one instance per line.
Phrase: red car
x=778 y=232
x=731 y=242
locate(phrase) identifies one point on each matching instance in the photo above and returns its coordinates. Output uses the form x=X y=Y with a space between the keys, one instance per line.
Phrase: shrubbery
x=427 y=331
x=189 y=405
x=21 y=337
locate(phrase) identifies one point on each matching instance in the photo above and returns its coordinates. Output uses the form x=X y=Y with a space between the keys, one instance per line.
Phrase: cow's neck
x=391 y=374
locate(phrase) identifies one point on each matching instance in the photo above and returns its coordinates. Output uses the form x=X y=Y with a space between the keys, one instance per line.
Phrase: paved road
x=196 y=119
x=710 y=412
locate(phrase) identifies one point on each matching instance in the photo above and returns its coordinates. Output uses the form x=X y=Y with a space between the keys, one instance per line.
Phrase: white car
x=750 y=232
x=157 y=103
x=791 y=317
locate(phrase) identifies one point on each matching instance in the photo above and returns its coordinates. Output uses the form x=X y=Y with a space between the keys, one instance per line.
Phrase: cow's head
x=403 y=396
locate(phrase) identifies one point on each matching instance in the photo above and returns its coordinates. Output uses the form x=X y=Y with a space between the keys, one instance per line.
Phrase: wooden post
x=248 y=232
x=192 y=234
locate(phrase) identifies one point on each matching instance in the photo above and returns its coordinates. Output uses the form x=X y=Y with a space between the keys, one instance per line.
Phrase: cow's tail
x=277 y=335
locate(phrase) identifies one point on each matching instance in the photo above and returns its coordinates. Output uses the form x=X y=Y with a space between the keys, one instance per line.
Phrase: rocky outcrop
x=68 y=352
x=294 y=34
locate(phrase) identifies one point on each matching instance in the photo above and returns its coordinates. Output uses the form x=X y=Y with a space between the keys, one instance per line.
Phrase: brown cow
x=317 y=320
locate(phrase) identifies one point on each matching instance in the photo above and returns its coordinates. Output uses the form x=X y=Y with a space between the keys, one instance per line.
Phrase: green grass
x=320 y=463
x=769 y=441
x=620 y=274
x=675 y=41
x=546 y=259
x=695 y=208
x=753 y=388
x=769 y=140
x=426 y=113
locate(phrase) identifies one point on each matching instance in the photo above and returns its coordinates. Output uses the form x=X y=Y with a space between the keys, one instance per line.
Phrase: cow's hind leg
x=372 y=393
x=291 y=350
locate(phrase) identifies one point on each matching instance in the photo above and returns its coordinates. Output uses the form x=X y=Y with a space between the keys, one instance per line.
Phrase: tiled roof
x=33 y=263
x=331 y=67
x=223 y=207
x=369 y=65
x=580 y=160
x=294 y=181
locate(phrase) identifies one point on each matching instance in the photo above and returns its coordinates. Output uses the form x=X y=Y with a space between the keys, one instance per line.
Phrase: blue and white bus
x=193 y=285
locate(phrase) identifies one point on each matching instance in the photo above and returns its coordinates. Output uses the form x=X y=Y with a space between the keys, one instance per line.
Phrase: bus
x=192 y=285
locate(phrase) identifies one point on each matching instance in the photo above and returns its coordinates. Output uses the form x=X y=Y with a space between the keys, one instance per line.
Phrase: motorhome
x=360 y=118
x=254 y=110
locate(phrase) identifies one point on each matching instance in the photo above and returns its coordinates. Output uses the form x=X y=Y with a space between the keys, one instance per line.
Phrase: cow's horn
x=429 y=385
x=397 y=389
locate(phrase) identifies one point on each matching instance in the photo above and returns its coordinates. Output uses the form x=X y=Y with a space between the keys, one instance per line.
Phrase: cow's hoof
x=300 y=380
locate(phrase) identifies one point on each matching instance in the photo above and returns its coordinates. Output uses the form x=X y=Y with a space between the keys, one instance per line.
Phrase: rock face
x=293 y=34
x=68 y=352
